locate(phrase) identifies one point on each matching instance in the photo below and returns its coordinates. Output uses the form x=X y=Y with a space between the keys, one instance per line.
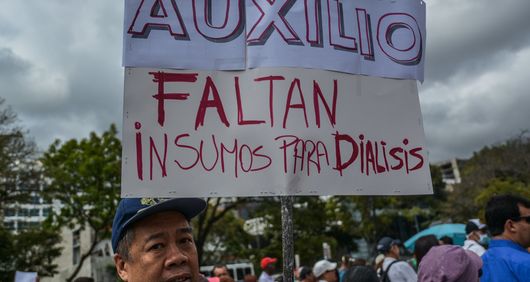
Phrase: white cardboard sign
x=270 y=132
x=379 y=38
x=21 y=276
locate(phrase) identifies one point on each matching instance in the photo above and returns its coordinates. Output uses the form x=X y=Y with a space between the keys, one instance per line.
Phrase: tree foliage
x=220 y=236
x=492 y=170
x=372 y=217
x=85 y=177
x=501 y=187
x=6 y=251
x=19 y=173
x=334 y=220
x=31 y=250
x=217 y=226
x=312 y=227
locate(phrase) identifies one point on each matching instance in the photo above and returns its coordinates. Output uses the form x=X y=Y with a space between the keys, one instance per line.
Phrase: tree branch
x=83 y=258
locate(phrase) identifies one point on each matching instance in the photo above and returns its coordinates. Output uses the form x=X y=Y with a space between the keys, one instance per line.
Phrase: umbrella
x=456 y=231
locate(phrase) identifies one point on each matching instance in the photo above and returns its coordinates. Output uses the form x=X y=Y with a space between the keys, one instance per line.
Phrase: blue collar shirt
x=505 y=261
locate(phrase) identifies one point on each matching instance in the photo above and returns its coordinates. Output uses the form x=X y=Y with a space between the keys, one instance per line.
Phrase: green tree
x=312 y=227
x=6 y=252
x=31 y=250
x=368 y=217
x=219 y=226
x=371 y=217
x=501 y=187
x=36 y=249
x=226 y=240
x=19 y=173
x=507 y=162
x=85 y=177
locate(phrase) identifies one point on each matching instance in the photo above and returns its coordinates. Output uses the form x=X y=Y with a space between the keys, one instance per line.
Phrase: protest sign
x=271 y=132
x=21 y=276
x=378 y=38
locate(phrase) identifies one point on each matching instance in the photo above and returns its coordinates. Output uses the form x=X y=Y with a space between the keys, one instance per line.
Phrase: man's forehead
x=152 y=234
x=524 y=211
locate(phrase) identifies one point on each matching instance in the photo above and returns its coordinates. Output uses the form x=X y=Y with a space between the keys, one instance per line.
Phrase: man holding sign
x=152 y=239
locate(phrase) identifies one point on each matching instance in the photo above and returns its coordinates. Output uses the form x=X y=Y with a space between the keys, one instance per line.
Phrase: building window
x=46 y=211
x=23 y=212
x=35 y=200
x=10 y=212
x=34 y=212
x=22 y=225
x=76 y=246
x=10 y=225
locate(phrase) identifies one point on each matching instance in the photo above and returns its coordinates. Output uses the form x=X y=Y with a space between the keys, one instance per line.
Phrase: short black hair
x=423 y=245
x=304 y=272
x=501 y=208
x=447 y=240
x=125 y=243
x=84 y=279
x=212 y=274
x=470 y=227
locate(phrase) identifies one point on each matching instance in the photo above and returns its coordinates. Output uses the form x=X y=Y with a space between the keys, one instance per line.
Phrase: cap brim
x=188 y=207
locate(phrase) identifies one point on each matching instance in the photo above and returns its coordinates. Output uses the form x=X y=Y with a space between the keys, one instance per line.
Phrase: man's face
x=220 y=272
x=522 y=228
x=395 y=250
x=330 y=276
x=270 y=268
x=162 y=250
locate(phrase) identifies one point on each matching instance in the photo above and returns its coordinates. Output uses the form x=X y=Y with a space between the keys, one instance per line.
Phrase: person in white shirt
x=268 y=265
x=394 y=270
x=476 y=232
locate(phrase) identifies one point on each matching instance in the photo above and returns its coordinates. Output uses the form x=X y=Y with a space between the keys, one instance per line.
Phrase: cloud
x=476 y=81
x=467 y=113
x=464 y=36
x=63 y=66
x=22 y=82
x=60 y=69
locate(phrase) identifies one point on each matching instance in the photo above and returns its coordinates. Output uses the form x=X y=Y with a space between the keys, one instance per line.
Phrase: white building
x=30 y=214
x=75 y=243
x=26 y=215
x=451 y=172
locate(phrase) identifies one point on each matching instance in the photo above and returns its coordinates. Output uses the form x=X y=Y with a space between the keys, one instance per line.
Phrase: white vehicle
x=237 y=270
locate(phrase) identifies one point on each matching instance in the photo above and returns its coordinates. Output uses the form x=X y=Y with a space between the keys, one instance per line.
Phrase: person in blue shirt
x=507 y=258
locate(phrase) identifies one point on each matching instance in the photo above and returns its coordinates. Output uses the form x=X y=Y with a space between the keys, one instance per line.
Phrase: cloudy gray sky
x=60 y=70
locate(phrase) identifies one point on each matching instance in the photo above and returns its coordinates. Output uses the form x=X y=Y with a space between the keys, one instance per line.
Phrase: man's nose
x=175 y=256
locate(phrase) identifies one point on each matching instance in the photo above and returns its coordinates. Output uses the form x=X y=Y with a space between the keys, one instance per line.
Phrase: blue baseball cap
x=385 y=244
x=131 y=210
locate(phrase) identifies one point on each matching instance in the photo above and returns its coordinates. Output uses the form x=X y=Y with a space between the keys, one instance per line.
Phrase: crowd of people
x=153 y=242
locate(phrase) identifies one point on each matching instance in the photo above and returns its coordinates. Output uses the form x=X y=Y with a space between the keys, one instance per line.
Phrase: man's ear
x=121 y=267
x=509 y=226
